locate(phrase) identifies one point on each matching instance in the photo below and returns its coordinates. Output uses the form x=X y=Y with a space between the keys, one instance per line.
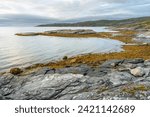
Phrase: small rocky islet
x=63 y=31
x=117 y=79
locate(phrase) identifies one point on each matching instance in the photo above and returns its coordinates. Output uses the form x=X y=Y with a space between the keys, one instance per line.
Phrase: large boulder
x=138 y=72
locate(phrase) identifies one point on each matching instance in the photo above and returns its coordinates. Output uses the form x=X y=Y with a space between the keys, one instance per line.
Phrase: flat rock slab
x=80 y=83
x=143 y=37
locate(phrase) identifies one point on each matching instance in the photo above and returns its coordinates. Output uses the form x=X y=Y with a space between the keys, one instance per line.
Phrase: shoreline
x=132 y=50
x=115 y=76
x=112 y=80
x=123 y=35
x=93 y=60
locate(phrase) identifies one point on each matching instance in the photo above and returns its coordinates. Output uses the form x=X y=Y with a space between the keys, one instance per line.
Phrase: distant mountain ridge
x=24 y=20
x=142 y=22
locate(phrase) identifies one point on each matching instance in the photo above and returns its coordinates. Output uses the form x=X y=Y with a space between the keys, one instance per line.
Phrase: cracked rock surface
x=113 y=80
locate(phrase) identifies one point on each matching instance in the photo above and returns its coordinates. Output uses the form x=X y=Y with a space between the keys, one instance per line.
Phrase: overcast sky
x=70 y=9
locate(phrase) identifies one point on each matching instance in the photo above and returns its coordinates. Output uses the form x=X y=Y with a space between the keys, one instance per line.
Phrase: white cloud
x=66 y=9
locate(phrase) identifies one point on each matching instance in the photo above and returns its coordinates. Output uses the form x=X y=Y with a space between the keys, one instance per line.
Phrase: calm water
x=24 y=51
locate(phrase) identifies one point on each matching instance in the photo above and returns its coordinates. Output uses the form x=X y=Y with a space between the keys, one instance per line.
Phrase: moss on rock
x=65 y=58
x=15 y=71
x=133 y=89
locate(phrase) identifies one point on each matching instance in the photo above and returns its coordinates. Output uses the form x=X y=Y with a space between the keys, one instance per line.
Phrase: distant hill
x=24 y=20
x=143 y=22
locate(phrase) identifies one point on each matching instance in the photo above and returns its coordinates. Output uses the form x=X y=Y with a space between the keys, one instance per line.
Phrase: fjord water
x=20 y=51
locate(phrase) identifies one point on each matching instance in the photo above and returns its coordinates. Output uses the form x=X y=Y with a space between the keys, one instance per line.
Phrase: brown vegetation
x=130 y=51
x=133 y=89
x=15 y=71
x=122 y=35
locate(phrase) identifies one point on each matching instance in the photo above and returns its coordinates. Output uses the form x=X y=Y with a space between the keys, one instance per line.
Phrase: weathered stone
x=148 y=97
x=111 y=63
x=6 y=79
x=147 y=62
x=66 y=97
x=138 y=72
x=147 y=72
x=42 y=71
x=129 y=66
x=147 y=79
x=134 y=61
x=85 y=96
x=51 y=71
x=75 y=70
x=6 y=91
x=111 y=80
x=143 y=37
x=99 y=72
x=119 y=78
x=121 y=69
x=140 y=65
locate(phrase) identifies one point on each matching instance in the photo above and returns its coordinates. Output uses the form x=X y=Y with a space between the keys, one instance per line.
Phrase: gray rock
x=85 y=96
x=43 y=71
x=134 y=61
x=148 y=79
x=148 y=97
x=126 y=67
x=147 y=62
x=99 y=72
x=75 y=70
x=66 y=97
x=6 y=79
x=111 y=63
x=64 y=31
x=69 y=31
x=138 y=72
x=147 y=72
x=81 y=82
x=120 y=78
x=130 y=66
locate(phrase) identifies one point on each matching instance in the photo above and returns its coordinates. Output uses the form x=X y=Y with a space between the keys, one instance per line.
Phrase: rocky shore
x=64 y=31
x=113 y=76
x=114 y=79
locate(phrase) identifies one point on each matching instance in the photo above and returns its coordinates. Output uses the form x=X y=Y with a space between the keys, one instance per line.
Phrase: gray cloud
x=69 y=9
